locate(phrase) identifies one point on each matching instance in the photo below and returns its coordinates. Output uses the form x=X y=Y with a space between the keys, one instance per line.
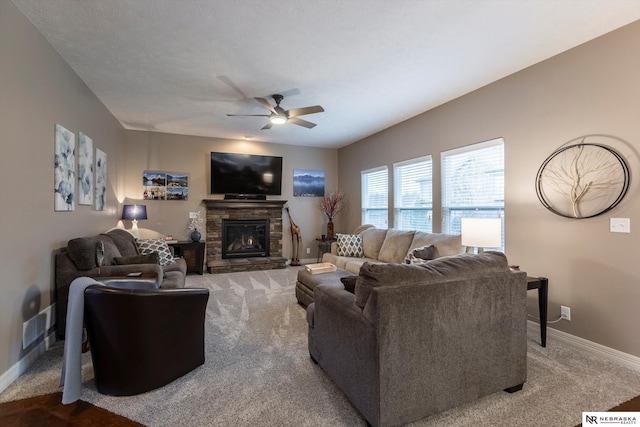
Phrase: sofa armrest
x=344 y=344
x=334 y=248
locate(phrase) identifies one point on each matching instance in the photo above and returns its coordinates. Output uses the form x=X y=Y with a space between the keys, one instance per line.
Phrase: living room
x=588 y=90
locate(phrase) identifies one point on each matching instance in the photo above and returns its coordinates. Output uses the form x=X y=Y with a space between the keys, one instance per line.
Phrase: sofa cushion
x=147 y=246
x=447 y=244
x=438 y=270
x=395 y=246
x=421 y=255
x=82 y=251
x=349 y=245
x=349 y=283
x=124 y=241
x=372 y=239
x=151 y=258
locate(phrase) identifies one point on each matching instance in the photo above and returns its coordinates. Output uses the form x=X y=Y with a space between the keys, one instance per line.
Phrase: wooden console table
x=542 y=285
x=193 y=254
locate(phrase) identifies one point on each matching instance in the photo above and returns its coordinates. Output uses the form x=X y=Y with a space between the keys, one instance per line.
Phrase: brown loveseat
x=121 y=257
x=416 y=339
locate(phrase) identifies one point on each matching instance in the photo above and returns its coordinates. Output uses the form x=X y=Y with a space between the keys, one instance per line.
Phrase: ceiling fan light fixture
x=278 y=120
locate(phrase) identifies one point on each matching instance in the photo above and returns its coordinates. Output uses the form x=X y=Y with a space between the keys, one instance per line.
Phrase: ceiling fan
x=279 y=115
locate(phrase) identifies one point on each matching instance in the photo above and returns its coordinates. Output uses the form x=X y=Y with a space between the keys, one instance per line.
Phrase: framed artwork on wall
x=100 y=200
x=157 y=185
x=85 y=170
x=308 y=183
x=64 y=161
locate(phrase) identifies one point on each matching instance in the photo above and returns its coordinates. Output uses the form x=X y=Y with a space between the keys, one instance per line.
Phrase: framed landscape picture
x=157 y=185
x=308 y=183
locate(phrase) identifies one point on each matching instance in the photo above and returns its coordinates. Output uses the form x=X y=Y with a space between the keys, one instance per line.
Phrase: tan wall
x=38 y=90
x=190 y=154
x=592 y=89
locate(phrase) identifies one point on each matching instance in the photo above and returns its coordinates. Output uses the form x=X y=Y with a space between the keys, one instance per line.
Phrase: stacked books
x=321 y=267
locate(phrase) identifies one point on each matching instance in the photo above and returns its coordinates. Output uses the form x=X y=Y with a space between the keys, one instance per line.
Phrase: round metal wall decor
x=582 y=180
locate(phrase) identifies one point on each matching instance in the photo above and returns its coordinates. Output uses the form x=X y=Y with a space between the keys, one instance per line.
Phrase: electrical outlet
x=308 y=250
x=565 y=312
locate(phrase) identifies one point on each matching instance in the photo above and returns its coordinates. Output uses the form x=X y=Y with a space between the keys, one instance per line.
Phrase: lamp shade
x=482 y=232
x=134 y=212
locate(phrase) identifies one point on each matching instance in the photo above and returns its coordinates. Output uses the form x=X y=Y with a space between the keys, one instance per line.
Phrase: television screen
x=246 y=174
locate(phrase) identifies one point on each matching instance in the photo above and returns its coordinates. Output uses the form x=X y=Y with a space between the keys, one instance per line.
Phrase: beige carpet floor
x=258 y=372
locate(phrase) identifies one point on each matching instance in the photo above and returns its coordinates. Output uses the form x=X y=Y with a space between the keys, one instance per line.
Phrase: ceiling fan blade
x=295 y=112
x=249 y=115
x=266 y=104
x=300 y=122
x=267 y=126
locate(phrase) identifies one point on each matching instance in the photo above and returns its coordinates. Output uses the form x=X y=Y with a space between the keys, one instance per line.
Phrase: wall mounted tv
x=245 y=174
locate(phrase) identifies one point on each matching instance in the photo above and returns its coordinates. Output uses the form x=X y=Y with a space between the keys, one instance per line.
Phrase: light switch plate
x=620 y=225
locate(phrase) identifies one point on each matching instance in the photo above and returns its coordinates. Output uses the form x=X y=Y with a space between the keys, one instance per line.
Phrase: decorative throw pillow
x=349 y=245
x=349 y=283
x=147 y=246
x=421 y=255
x=151 y=258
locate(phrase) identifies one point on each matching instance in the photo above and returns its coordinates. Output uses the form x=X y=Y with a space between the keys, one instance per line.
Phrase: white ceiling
x=178 y=66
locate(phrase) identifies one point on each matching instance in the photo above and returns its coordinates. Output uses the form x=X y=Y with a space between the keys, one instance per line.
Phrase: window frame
x=366 y=209
x=399 y=209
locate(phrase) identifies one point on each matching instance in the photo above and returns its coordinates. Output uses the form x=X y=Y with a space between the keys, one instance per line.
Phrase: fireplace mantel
x=242 y=204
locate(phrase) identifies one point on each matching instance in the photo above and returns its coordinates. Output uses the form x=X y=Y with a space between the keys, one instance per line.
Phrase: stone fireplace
x=245 y=220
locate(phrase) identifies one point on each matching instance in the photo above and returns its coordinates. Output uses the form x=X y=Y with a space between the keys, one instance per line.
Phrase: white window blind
x=375 y=196
x=413 y=194
x=473 y=184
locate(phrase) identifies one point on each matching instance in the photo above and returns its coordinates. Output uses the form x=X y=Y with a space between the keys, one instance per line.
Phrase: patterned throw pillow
x=350 y=245
x=147 y=246
x=421 y=255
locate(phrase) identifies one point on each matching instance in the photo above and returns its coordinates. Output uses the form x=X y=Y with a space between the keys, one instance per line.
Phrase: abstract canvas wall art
x=85 y=170
x=64 y=161
x=100 y=200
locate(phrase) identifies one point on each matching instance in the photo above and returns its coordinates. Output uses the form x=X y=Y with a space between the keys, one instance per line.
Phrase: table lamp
x=134 y=213
x=482 y=233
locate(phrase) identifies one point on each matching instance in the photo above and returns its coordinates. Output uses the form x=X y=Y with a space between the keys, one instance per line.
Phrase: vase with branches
x=332 y=205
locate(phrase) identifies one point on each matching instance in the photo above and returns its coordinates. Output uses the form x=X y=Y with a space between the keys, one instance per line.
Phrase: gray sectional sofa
x=378 y=246
x=411 y=340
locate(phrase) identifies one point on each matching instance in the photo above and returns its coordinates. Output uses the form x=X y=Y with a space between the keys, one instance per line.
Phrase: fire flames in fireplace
x=245 y=238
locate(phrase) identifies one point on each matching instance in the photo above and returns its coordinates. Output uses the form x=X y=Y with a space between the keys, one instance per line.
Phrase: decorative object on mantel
x=134 y=213
x=583 y=179
x=165 y=185
x=331 y=205
x=64 y=163
x=296 y=240
x=195 y=219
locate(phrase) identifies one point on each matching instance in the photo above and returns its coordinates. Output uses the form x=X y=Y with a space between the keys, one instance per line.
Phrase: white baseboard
x=598 y=350
x=23 y=364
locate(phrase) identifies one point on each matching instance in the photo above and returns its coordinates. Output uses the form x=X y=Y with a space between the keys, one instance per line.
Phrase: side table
x=542 y=285
x=324 y=246
x=193 y=254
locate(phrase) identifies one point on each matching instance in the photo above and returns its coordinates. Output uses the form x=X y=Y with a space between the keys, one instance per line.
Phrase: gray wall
x=592 y=89
x=191 y=154
x=38 y=90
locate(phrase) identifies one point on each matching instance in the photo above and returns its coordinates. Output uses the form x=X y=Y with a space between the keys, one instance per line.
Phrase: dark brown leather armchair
x=142 y=339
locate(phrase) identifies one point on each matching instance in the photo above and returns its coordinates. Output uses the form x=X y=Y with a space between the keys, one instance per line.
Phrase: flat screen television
x=245 y=174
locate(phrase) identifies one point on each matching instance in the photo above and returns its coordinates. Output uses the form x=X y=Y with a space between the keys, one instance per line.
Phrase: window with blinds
x=375 y=196
x=473 y=184
x=413 y=194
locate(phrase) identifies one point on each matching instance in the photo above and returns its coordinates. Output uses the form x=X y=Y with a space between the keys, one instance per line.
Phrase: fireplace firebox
x=245 y=238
